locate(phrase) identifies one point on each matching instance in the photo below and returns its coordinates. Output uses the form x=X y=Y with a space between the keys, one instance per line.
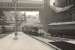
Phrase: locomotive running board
x=62 y=23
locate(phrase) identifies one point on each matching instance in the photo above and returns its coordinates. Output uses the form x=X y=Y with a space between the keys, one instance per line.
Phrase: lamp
x=60 y=5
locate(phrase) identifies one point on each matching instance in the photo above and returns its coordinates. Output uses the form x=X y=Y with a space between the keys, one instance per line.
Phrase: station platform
x=24 y=42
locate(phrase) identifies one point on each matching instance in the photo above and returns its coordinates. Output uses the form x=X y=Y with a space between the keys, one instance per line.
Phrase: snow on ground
x=24 y=42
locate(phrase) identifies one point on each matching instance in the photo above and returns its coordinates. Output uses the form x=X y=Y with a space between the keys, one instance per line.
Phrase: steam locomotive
x=58 y=17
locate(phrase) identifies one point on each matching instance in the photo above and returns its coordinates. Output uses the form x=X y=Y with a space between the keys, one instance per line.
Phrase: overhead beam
x=20 y=6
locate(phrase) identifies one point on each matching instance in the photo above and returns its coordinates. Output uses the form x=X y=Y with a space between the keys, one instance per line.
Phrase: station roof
x=21 y=4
